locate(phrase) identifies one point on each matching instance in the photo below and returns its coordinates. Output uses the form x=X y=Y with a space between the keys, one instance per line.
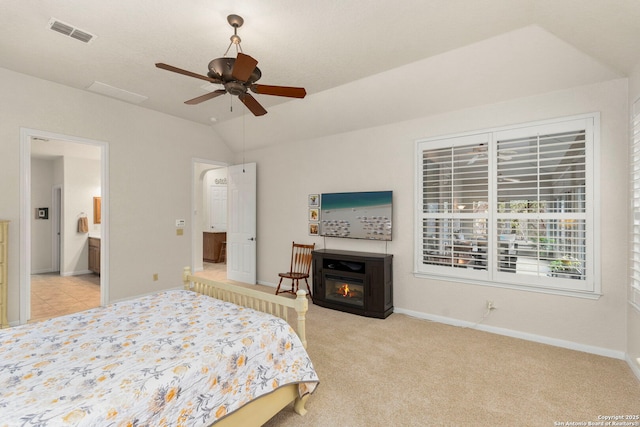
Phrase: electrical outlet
x=155 y=277
x=490 y=305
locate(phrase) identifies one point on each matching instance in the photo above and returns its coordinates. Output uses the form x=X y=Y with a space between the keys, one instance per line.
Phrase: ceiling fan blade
x=253 y=105
x=243 y=67
x=206 y=97
x=185 y=72
x=291 y=92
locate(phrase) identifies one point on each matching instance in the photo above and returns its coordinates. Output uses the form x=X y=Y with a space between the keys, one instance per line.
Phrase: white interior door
x=241 y=225
x=218 y=208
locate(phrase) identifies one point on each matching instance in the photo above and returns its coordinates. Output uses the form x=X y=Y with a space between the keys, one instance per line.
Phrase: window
x=511 y=207
x=634 y=295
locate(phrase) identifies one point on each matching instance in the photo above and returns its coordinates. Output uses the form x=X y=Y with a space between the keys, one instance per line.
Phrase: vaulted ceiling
x=375 y=61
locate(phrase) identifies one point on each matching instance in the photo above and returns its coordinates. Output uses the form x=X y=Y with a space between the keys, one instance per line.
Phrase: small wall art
x=314 y=200
x=42 y=213
x=314 y=213
x=313 y=228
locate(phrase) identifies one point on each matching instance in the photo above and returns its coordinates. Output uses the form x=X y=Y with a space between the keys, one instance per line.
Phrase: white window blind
x=634 y=295
x=510 y=206
x=455 y=205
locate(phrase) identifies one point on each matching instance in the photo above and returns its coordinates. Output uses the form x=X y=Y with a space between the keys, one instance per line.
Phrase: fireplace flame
x=345 y=291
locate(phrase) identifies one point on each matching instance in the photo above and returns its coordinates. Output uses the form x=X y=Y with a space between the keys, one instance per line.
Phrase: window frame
x=590 y=287
x=634 y=208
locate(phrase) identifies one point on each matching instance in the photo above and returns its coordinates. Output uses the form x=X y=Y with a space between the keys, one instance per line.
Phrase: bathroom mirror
x=97 y=206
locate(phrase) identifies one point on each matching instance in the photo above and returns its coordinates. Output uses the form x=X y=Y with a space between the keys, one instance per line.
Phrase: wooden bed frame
x=261 y=410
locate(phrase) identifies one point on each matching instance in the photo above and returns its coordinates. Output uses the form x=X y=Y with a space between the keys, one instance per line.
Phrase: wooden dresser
x=4 y=248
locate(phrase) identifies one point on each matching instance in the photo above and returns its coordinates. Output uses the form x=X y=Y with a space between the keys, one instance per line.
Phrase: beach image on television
x=357 y=215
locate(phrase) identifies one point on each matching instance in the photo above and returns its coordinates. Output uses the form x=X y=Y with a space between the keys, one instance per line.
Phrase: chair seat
x=291 y=275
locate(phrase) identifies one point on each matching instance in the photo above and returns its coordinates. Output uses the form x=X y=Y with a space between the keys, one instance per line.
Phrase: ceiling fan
x=502 y=178
x=480 y=152
x=237 y=76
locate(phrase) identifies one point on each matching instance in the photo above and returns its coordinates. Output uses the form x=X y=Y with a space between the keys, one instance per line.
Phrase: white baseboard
x=517 y=334
x=75 y=273
x=62 y=273
x=44 y=271
x=634 y=365
x=271 y=285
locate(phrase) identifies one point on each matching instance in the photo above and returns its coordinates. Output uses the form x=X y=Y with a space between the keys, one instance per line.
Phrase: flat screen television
x=357 y=215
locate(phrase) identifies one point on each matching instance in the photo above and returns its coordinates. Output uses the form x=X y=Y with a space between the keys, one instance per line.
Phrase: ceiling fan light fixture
x=235 y=88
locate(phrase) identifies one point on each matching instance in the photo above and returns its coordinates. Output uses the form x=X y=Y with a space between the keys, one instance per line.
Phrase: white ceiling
x=345 y=53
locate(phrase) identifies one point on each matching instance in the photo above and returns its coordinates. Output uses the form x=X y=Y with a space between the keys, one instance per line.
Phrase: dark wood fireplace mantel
x=354 y=282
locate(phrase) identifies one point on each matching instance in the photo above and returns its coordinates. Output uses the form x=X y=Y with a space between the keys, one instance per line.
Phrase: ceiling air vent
x=70 y=31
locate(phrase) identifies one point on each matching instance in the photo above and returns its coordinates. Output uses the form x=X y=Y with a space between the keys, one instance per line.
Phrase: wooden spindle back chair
x=299 y=268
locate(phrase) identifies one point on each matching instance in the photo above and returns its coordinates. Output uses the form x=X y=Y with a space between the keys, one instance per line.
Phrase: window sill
x=518 y=287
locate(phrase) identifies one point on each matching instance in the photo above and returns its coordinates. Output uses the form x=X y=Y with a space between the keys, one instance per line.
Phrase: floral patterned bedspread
x=175 y=358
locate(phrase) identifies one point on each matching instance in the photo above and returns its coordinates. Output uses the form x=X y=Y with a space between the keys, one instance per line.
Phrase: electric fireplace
x=345 y=290
x=354 y=282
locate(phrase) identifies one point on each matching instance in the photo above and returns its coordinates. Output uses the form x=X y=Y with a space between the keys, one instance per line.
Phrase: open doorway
x=240 y=245
x=209 y=219
x=60 y=177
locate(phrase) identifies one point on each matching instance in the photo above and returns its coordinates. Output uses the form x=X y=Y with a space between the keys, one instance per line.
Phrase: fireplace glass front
x=345 y=290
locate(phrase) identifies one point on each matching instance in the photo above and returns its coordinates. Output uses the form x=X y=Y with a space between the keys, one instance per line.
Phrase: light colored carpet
x=403 y=371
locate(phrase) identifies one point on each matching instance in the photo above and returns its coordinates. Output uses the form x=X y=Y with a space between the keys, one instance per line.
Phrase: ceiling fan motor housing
x=222 y=69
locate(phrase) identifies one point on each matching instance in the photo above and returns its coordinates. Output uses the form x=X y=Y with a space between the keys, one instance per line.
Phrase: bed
x=211 y=353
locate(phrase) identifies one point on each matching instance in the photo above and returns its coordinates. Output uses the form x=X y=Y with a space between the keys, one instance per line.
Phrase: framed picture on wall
x=314 y=200
x=313 y=228
x=314 y=213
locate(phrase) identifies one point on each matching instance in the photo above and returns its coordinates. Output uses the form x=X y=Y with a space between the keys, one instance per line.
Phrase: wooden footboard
x=273 y=304
x=259 y=411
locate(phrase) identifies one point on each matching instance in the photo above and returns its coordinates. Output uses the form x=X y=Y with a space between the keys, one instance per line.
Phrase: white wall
x=42 y=181
x=150 y=176
x=382 y=158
